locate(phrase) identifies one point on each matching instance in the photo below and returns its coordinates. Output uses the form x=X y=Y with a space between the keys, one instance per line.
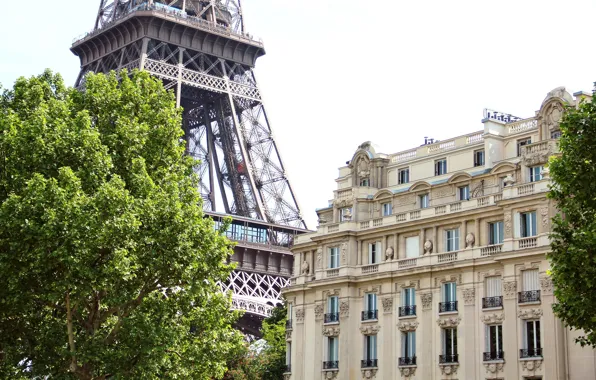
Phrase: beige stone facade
x=431 y=263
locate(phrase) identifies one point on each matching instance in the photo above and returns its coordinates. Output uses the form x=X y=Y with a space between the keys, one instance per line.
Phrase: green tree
x=573 y=256
x=108 y=267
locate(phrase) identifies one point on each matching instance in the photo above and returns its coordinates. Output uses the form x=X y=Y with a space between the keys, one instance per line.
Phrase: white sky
x=341 y=72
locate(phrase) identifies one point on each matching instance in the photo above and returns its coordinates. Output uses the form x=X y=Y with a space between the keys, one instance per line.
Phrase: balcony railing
x=407 y=360
x=445 y=359
x=405 y=311
x=530 y=353
x=288 y=368
x=331 y=317
x=493 y=355
x=368 y=363
x=491 y=250
x=529 y=296
x=489 y=302
x=369 y=315
x=445 y=307
x=289 y=324
x=332 y=364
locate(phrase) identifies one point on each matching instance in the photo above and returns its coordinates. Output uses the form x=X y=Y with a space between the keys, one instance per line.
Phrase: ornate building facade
x=431 y=263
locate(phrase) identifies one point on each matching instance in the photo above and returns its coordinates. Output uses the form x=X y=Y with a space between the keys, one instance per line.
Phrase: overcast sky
x=341 y=72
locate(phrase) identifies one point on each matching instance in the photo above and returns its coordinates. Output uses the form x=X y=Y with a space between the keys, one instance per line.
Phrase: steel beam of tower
x=201 y=51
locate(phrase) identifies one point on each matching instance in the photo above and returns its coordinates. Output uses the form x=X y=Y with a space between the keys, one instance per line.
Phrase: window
x=494 y=342
x=502 y=182
x=403 y=176
x=531 y=340
x=412 y=247
x=535 y=173
x=332 y=353
x=555 y=135
x=424 y=200
x=452 y=240
x=449 y=346
x=387 y=209
x=374 y=250
x=492 y=287
x=441 y=167
x=408 y=348
x=333 y=257
x=495 y=233
x=370 y=307
x=530 y=286
x=464 y=193
x=345 y=214
x=364 y=182
x=528 y=224
x=449 y=297
x=332 y=314
x=370 y=351
x=479 y=158
x=408 y=302
x=521 y=143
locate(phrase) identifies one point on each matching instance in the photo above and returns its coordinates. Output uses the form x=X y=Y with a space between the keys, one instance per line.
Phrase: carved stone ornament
x=546 y=284
x=446 y=323
x=407 y=326
x=287 y=376
x=509 y=180
x=370 y=330
x=531 y=365
x=545 y=216
x=529 y=313
x=470 y=240
x=331 y=331
x=369 y=373
x=449 y=369
x=289 y=335
x=491 y=319
x=319 y=258
x=469 y=296
x=545 y=172
x=508 y=224
x=300 y=315
x=407 y=371
x=344 y=309
x=428 y=247
x=305 y=268
x=537 y=157
x=322 y=221
x=363 y=168
x=493 y=367
x=329 y=375
x=389 y=253
x=426 y=299
x=343 y=203
x=510 y=289
x=344 y=253
x=318 y=312
x=387 y=305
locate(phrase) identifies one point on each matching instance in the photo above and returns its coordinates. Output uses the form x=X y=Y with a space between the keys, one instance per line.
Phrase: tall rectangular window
x=464 y=193
x=370 y=349
x=332 y=350
x=333 y=305
x=450 y=292
x=387 y=209
x=493 y=286
x=371 y=301
x=495 y=233
x=403 y=176
x=530 y=280
x=479 y=158
x=409 y=297
x=408 y=344
x=521 y=143
x=424 y=200
x=449 y=345
x=535 y=173
x=365 y=182
x=441 y=167
x=374 y=252
x=452 y=240
x=494 y=342
x=531 y=338
x=528 y=224
x=412 y=247
x=333 y=257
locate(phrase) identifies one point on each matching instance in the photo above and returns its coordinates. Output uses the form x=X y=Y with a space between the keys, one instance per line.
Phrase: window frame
x=370 y=347
x=449 y=349
x=364 y=182
x=531 y=229
x=406 y=172
x=536 y=341
x=426 y=198
x=493 y=333
x=408 y=344
x=408 y=297
x=387 y=206
x=332 y=304
x=368 y=297
x=535 y=173
x=374 y=253
x=522 y=142
x=452 y=243
x=496 y=229
x=479 y=153
x=440 y=167
x=332 y=348
x=333 y=262
x=466 y=193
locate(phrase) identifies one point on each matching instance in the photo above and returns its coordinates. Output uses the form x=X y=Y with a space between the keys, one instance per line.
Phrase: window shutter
x=377 y=252
x=530 y=280
x=443 y=341
x=370 y=253
x=413 y=343
x=533 y=223
x=516 y=225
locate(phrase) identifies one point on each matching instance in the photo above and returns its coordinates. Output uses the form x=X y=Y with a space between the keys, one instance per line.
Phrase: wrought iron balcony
x=446 y=359
x=368 y=363
x=529 y=296
x=332 y=364
x=331 y=317
x=445 y=307
x=530 y=353
x=288 y=368
x=488 y=302
x=289 y=324
x=369 y=314
x=407 y=360
x=493 y=355
x=405 y=311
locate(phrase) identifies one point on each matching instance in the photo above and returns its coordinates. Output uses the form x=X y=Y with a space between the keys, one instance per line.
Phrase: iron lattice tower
x=201 y=50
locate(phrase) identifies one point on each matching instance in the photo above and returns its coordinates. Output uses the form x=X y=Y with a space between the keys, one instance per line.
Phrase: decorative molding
x=470 y=240
x=531 y=365
x=344 y=309
x=405 y=200
x=318 y=312
x=369 y=373
x=529 y=313
x=331 y=331
x=509 y=289
x=490 y=273
x=407 y=371
x=411 y=284
x=328 y=293
x=407 y=326
x=449 y=369
x=344 y=253
x=287 y=376
x=428 y=247
x=544 y=212
x=493 y=367
x=446 y=323
x=442 y=192
x=538 y=157
x=370 y=329
x=426 y=299
x=289 y=335
x=491 y=319
x=387 y=305
x=469 y=296
x=370 y=289
x=300 y=315
x=330 y=375
x=320 y=258
x=453 y=278
x=508 y=230
x=546 y=284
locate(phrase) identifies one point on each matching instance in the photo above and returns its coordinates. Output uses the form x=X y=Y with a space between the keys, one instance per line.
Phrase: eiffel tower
x=201 y=50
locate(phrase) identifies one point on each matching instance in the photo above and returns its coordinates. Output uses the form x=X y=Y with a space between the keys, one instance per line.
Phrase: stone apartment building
x=431 y=263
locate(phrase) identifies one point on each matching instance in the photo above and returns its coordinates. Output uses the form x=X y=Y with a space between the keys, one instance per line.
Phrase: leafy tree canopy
x=108 y=268
x=573 y=256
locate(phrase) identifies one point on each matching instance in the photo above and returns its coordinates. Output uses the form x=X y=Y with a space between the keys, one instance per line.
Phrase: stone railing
x=529 y=242
x=404 y=156
x=401 y=217
x=455 y=207
x=475 y=138
x=490 y=250
x=373 y=268
x=415 y=214
x=332 y=272
x=377 y=222
x=522 y=125
x=437 y=147
x=536 y=147
x=440 y=210
x=332 y=228
x=344 y=194
x=446 y=257
x=525 y=189
x=446 y=145
x=484 y=201
x=407 y=263
x=365 y=225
